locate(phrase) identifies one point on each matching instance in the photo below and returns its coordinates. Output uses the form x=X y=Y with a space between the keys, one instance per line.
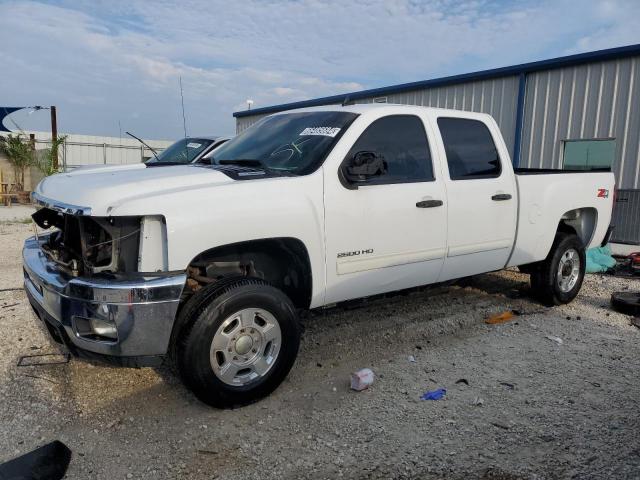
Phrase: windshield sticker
x=194 y=145
x=323 y=131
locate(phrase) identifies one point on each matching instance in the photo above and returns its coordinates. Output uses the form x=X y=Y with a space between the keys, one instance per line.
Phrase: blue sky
x=104 y=62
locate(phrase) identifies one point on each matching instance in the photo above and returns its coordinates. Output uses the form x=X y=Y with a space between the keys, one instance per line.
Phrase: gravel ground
x=16 y=213
x=532 y=408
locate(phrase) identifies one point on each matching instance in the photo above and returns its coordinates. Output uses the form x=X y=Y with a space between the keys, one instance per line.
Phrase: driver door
x=386 y=232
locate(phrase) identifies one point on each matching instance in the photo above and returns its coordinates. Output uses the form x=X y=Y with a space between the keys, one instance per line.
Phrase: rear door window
x=471 y=152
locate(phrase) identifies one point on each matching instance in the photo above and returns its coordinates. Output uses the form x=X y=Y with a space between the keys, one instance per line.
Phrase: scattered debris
x=48 y=462
x=463 y=380
x=411 y=358
x=500 y=425
x=362 y=379
x=478 y=402
x=10 y=305
x=628 y=266
x=207 y=452
x=43 y=359
x=558 y=340
x=626 y=302
x=502 y=317
x=434 y=394
x=113 y=423
x=510 y=386
x=493 y=473
x=42 y=378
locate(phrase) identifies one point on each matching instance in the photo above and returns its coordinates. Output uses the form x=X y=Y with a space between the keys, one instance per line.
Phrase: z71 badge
x=603 y=193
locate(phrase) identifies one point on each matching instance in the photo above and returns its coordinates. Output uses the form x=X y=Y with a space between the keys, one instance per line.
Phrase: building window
x=589 y=154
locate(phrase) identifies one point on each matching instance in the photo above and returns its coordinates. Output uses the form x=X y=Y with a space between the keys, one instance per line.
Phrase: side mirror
x=363 y=166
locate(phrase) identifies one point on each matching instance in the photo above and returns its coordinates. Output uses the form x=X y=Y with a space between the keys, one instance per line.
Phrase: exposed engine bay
x=90 y=245
x=85 y=246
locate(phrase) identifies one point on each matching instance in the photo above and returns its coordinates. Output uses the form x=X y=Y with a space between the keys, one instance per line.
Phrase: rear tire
x=558 y=279
x=237 y=342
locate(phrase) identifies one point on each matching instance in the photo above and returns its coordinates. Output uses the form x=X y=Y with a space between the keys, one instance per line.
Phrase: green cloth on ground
x=599 y=259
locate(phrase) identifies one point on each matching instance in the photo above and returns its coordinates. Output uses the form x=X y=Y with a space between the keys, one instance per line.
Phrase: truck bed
x=581 y=198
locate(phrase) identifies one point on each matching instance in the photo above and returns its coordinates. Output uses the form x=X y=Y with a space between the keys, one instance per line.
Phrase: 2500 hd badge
x=355 y=253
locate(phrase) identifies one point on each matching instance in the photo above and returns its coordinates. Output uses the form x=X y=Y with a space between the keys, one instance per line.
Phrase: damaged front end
x=85 y=246
x=101 y=285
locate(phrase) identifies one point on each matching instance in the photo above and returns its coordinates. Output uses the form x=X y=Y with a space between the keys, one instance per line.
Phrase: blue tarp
x=599 y=259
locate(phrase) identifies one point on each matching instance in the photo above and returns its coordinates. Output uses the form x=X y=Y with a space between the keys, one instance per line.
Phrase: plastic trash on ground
x=362 y=379
x=500 y=318
x=599 y=259
x=434 y=394
x=558 y=340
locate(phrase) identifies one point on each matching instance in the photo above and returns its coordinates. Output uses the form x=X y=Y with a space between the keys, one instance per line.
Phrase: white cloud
x=101 y=61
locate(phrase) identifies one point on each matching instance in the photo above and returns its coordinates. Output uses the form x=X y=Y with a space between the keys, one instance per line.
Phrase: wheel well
x=581 y=221
x=283 y=262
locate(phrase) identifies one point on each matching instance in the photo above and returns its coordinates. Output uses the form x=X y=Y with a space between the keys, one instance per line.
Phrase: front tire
x=238 y=343
x=558 y=279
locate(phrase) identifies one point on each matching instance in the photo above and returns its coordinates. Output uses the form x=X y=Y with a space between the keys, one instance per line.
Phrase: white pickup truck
x=210 y=264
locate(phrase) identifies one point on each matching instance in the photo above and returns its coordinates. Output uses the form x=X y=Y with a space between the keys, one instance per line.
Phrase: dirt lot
x=532 y=408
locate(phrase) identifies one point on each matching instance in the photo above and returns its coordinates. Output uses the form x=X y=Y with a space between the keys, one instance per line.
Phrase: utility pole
x=54 y=137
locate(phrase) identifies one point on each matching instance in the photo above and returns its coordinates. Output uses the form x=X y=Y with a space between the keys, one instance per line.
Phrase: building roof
x=523 y=68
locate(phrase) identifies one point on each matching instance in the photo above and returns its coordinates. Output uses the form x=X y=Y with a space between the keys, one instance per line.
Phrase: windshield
x=185 y=150
x=292 y=143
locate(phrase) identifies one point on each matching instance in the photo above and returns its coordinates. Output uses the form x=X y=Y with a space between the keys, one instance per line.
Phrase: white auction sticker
x=193 y=145
x=323 y=131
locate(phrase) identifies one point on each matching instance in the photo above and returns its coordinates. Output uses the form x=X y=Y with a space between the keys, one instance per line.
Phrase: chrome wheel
x=245 y=346
x=568 y=270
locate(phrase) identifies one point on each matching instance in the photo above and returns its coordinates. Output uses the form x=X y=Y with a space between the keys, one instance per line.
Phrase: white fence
x=74 y=154
x=80 y=150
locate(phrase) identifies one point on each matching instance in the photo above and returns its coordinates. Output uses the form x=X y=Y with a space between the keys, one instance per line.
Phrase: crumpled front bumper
x=143 y=309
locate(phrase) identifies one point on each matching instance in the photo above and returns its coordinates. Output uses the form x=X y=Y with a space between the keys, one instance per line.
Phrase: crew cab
x=210 y=265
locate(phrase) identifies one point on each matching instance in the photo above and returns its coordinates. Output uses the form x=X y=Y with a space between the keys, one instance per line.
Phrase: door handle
x=429 y=203
x=498 y=197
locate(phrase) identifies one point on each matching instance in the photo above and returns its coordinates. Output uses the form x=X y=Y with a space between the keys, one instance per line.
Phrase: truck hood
x=83 y=169
x=103 y=190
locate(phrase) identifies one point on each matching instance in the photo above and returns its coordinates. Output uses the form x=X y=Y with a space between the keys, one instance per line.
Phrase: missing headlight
x=89 y=245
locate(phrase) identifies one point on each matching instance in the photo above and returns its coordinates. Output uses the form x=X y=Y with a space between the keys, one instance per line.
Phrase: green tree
x=20 y=155
x=44 y=159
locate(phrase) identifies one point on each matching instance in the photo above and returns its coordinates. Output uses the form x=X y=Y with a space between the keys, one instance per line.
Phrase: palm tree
x=44 y=161
x=20 y=155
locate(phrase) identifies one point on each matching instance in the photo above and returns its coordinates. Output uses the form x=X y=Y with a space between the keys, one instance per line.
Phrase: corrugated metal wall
x=597 y=100
x=242 y=123
x=626 y=214
x=497 y=97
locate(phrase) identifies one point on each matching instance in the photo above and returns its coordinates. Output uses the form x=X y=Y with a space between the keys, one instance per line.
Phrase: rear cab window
x=470 y=149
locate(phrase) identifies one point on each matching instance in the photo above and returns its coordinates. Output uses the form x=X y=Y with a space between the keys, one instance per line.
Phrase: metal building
x=578 y=111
